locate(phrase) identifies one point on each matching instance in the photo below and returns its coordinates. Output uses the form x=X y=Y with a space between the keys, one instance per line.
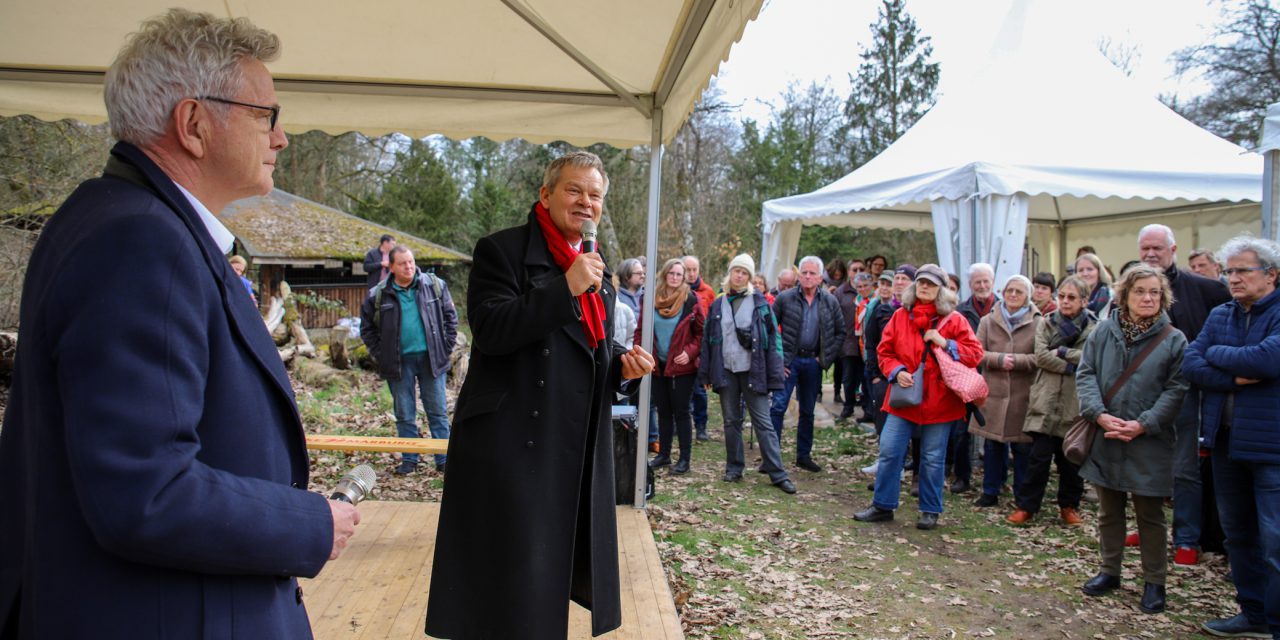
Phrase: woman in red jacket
x=926 y=320
x=677 y=338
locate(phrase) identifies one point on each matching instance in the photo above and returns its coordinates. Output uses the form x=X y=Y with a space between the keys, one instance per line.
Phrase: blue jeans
x=1249 y=507
x=995 y=466
x=415 y=370
x=805 y=375
x=1188 y=496
x=894 y=441
x=698 y=407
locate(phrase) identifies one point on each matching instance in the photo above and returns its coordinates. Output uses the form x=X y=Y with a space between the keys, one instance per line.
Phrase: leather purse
x=903 y=397
x=1078 y=441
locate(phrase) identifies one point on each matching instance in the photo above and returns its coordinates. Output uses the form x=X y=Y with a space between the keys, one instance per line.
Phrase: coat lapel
x=542 y=268
x=241 y=315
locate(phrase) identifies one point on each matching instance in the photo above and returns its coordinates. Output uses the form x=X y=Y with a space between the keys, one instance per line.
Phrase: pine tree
x=894 y=86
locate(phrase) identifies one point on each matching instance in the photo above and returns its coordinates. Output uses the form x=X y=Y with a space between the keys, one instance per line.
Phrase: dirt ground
x=747 y=561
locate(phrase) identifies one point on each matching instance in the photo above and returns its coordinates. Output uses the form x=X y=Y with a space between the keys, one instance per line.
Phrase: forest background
x=716 y=172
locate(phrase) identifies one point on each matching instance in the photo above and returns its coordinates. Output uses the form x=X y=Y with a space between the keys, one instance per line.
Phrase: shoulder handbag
x=1078 y=441
x=902 y=397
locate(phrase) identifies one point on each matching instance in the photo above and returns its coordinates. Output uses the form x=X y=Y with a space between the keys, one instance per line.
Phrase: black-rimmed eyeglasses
x=1242 y=270
x=275 y=111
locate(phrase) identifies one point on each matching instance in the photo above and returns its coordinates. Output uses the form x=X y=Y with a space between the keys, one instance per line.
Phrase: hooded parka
x=1054 y=405
x=1153 y=397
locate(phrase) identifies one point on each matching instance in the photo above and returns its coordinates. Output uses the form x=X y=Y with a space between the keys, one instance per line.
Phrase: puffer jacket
x=380 y=324
x=765 y=374
x=789 y=308
x=901 y=347
x=687 y=337
x=1237 y=343
x=1153 y=397
x=1006 y=407
x=1054 y=405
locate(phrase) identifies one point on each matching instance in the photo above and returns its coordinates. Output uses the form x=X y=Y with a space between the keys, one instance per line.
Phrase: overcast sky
x=819 y=40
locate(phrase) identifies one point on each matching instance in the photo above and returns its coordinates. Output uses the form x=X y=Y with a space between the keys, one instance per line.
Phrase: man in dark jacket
x=409 y=324
x=527 y=519
x=1193 y=297
x=377 y=262
x=154 y=463
x=982 y=299
x=705 y=294
x=812 y=333
x=1235 y=361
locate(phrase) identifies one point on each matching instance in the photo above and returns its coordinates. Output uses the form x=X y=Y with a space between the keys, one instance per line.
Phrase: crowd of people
x=1100 y=343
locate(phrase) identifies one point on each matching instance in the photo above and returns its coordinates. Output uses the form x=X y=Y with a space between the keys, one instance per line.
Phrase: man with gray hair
x=981 y=301
x=813 y=329
x=1193 y=297
x=1203 y=262
x=1233 y=361
x=159 y=476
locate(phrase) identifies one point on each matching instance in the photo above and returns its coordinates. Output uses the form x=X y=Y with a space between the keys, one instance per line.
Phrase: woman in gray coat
x=1132 y=452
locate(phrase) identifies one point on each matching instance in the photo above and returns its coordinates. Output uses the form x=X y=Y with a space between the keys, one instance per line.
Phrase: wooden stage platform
x=378 y=588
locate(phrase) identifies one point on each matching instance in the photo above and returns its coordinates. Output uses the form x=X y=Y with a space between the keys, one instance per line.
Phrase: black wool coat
x=527 y=518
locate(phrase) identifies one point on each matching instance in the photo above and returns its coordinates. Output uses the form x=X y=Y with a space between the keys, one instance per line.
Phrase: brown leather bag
x=1078 y=441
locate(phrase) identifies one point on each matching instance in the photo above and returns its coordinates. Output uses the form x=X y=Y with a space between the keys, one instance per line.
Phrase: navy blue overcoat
x=153 y=463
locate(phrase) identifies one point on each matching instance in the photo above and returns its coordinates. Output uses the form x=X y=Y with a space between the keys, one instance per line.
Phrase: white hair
x=1168 y=233
x=980 y=267
x=1268 y=251
x=1020 y=279
x=178 y=55
x=812 y=259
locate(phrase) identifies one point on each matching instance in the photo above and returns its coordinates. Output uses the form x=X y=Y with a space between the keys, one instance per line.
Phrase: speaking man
x=527 y=517
x=155 y=464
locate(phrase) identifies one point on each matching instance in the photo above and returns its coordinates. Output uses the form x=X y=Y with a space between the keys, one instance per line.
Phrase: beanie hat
x=743 y=261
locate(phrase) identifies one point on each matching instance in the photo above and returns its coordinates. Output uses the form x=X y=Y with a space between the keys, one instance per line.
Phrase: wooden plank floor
x=378 y=588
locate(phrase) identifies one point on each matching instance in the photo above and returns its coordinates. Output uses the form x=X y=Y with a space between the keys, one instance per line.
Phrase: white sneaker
x=871 y=470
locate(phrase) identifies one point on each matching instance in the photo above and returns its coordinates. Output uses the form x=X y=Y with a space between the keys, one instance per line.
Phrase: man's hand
x=1246 y=381
x=682 y=359
x=386 y=264
x=637 y=362
x=345 y=519
x=586 y=271
x=904 y=379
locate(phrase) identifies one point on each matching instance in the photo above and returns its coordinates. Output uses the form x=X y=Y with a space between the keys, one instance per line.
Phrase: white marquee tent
x=1047 y=132
x=620 y=72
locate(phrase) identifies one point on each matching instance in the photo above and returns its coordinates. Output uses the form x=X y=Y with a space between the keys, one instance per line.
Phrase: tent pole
x=651 y=270
x=1270 y=189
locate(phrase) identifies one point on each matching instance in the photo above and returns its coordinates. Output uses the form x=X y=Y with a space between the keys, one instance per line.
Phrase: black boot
x=1152 y=598
x=874 y=514
x=1101 y=584
x=682 y=466
x=661 y=460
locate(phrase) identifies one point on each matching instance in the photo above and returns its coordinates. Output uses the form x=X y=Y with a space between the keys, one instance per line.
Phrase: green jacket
x=1153 y=397
x=1054 y=405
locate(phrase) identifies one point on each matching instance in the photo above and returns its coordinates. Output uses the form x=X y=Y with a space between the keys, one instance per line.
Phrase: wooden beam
x=321 y=442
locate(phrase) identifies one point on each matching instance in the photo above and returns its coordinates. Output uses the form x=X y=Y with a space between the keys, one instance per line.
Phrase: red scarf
x=564 y=255
x=922 y=314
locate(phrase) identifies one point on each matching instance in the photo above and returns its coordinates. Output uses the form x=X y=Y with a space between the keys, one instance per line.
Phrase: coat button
x=295 y=485
x=298 y=595
x=542 y=383
x=529 y=444
x=546 y=352
x=533 y=414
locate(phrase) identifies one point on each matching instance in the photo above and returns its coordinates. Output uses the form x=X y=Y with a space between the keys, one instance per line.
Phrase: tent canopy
x=1051 y=121
x=541 y=70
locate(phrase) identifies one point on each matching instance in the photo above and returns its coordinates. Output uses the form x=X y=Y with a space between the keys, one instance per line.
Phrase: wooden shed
x=316 y=249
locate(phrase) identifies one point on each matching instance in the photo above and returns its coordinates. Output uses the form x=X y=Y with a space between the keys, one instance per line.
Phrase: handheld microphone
x=589 y=244
x=356 y=485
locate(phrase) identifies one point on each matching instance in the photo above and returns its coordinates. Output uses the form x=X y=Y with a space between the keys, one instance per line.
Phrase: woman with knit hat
x=1008 y=337
x=677 y=339
x=926 y=320
x=742 y=361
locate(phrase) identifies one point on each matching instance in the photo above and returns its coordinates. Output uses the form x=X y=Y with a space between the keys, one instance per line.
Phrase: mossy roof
x=282 y=225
